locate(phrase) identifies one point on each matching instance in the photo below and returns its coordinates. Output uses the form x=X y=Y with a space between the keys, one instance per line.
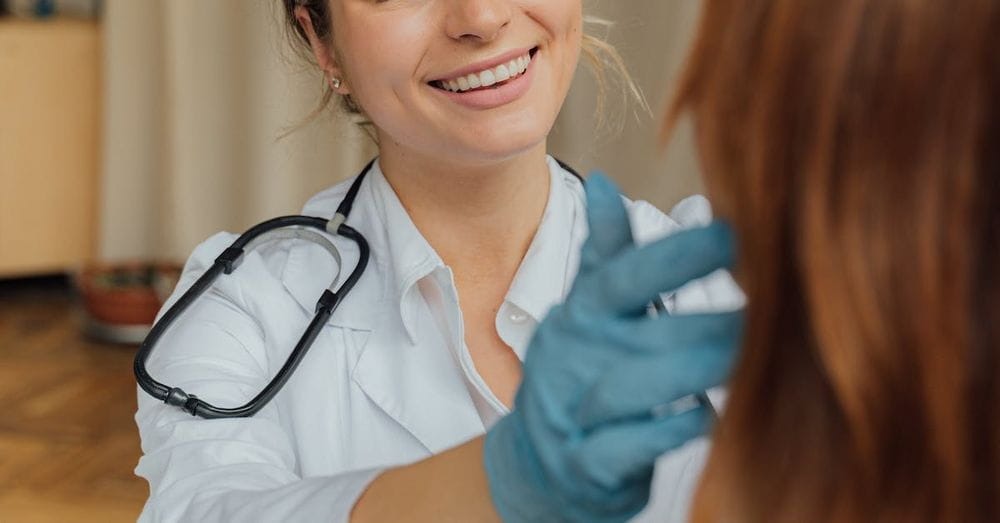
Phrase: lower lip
x=494 y=97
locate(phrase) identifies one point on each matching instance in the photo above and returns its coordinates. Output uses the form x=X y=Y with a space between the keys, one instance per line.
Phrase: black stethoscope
x=287 y=227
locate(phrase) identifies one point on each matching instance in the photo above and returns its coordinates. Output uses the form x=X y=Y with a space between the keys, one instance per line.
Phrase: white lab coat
x=388 y=381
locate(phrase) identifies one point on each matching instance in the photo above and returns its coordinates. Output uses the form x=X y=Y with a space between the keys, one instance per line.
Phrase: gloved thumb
x=610 y=230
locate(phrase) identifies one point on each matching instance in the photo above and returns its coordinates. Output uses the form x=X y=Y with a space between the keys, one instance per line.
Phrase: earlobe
x=337 y=84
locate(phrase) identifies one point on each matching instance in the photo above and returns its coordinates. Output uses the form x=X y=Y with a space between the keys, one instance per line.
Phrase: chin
x=498 y=143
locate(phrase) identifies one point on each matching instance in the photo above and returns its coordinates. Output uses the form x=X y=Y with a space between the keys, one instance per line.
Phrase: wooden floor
x=68 y=443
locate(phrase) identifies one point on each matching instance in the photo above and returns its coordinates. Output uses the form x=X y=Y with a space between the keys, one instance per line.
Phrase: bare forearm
x=450 y=486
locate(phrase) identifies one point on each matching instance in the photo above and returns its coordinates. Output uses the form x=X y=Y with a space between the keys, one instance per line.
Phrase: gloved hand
x=581 y=441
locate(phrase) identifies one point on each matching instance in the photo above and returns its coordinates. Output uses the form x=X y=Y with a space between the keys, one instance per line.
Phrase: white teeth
x=487 y=78
x=503 y=74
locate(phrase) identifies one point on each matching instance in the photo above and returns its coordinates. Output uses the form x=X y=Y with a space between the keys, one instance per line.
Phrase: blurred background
x=131 y=130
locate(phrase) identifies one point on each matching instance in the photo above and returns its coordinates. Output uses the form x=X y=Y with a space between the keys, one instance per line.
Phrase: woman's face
x=431 y=73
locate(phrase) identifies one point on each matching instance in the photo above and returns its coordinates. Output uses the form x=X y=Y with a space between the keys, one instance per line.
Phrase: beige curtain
x=653 y=36
x=197 y=94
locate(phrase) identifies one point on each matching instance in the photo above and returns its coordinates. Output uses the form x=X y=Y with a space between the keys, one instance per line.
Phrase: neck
x=480 y=218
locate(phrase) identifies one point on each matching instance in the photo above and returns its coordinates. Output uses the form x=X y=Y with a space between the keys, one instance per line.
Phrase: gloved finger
x=650 y=336
x=637 y=276
x=615 y=455
x=610 y=231
x=636 y=386
x=597 y=504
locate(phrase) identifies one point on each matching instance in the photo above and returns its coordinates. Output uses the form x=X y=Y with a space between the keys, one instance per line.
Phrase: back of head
x=855 y=146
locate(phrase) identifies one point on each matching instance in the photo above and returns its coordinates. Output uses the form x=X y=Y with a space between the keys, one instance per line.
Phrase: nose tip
x=479 y=20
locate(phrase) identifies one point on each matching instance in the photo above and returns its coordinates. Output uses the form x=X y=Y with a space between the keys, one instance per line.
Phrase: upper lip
x=485 y=64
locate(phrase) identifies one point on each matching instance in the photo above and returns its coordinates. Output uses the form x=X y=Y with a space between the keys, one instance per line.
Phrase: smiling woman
x=474 y=233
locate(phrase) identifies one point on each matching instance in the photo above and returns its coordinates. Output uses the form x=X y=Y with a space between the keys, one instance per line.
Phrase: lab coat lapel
x=419 y=386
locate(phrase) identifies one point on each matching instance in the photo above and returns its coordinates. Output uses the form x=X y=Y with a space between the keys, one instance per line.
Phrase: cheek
x=561 y=18
x=379 y=53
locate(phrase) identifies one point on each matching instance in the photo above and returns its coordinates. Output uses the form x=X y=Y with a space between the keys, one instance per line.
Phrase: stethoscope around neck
x=283 y=228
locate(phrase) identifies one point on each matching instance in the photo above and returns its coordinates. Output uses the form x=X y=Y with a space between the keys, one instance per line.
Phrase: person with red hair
x=855 y=148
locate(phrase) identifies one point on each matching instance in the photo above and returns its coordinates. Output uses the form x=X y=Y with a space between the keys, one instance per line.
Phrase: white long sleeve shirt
x=389 y=380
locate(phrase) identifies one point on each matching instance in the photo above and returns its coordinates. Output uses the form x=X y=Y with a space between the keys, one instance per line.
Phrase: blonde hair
x=608 y=68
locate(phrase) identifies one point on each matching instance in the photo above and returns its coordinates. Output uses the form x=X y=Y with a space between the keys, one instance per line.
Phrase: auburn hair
x=855 y=147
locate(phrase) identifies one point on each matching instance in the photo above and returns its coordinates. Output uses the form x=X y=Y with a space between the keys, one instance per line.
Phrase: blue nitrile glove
x=582 y=439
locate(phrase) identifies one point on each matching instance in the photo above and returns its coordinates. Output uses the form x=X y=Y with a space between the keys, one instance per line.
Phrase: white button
x=518 y=316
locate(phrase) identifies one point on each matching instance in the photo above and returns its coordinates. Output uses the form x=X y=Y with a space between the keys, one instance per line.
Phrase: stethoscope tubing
x=226 y=263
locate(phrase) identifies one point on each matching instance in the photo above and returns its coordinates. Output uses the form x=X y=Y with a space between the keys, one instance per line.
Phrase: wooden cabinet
x=49 y=144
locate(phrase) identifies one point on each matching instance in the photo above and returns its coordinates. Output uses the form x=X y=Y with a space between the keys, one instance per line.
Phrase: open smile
x=487 y=78
x=491 y=84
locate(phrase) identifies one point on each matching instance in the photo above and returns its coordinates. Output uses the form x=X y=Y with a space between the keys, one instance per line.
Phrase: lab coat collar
x=401 y=256
x=308 y=266
x=409 y=256
x=416 y=385
x=535 y=288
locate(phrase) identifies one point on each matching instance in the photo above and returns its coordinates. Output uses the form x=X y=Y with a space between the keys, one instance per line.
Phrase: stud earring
x=336 y=83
